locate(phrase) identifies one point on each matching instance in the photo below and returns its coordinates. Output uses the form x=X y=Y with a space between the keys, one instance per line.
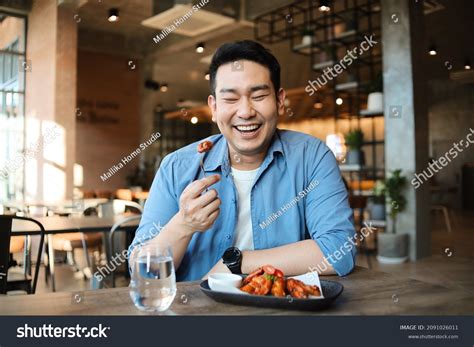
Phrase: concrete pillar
x=50 y=101
x=406 y=116
x=66 y=88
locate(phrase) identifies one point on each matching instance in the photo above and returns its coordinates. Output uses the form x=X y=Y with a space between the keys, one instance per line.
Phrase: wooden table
x=366 y=292
x=60 y=206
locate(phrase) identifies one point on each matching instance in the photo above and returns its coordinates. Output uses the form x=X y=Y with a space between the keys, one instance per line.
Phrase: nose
x=245 y=109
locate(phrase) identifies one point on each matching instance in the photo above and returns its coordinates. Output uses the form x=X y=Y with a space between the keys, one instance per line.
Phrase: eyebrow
x=252 y=89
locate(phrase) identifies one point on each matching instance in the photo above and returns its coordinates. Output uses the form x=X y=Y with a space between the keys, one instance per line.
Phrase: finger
x=210 y=208
x=197 y=187
x=213 y=216
x=206 y=198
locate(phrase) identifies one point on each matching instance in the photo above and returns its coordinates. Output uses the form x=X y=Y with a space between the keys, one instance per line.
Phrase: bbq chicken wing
x=278 y=288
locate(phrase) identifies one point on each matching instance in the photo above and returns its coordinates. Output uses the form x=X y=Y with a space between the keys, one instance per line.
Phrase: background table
x=58 y=225
x=366 y=292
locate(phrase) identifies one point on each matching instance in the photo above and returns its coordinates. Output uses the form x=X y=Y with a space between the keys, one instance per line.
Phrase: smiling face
x=246 y=108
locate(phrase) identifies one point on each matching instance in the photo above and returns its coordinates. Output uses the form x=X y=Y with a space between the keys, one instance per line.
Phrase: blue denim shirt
x=298 y=194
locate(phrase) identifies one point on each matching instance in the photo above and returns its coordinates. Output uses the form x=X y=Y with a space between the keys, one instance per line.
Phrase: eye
x=259 y=97
x=230 y=100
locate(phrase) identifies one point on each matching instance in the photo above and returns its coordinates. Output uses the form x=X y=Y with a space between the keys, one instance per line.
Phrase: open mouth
x=247 y=130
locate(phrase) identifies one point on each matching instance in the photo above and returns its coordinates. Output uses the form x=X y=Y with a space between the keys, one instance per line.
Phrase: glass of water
x=153 y=280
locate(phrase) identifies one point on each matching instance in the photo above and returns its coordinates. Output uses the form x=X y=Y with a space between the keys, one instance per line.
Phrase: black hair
x=244 y=50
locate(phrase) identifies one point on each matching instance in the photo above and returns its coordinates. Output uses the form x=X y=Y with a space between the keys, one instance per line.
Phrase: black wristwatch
x=232 y=258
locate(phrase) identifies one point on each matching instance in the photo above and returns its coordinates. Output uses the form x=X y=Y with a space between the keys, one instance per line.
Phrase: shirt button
x=227 y=237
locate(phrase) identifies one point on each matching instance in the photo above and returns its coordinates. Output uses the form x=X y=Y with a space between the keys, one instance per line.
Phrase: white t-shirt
x=243 y=235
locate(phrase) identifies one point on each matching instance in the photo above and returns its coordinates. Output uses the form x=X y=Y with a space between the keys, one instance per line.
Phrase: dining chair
x=358 y=204
x=17 y=244
x=13 y=280
x=69 y=242
x=88 y=194
x=118 y=206
x=106 y=194
x=119 y=226
x=124 y=194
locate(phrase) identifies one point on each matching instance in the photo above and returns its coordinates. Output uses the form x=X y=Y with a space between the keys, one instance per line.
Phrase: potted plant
x=375 y=91
x=307 y=34
x=376 y=204
x=392 y=246
x=354 y=140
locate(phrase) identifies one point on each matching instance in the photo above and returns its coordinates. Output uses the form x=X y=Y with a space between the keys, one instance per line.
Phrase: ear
x=211 y=102
x=281 y=102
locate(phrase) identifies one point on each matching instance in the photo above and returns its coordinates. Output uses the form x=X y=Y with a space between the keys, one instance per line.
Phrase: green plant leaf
x=354 y=139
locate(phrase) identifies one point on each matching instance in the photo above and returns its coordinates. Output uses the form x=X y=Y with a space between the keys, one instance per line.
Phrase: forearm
x=175 y=235
x=293 y=259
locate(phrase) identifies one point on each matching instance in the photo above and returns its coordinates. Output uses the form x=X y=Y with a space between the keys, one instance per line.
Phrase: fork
x=201 y=165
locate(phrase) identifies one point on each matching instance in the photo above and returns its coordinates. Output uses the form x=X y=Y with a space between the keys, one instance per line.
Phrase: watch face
x=231 y=255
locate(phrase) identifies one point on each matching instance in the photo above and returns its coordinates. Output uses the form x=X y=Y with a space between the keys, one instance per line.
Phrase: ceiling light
x=339 y=101
x=164 y=88
x=200 y=47
x=467 y=65
x=194 y=119
x=432 y=50
x=207 y=76
x=113 y=15
x=324 y=6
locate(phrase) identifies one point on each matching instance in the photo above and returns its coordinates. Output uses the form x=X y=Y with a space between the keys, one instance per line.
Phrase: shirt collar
x=219 y=155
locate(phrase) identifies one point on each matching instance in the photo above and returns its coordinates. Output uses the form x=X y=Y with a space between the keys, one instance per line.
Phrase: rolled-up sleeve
x=162 y=203
x=329 y=218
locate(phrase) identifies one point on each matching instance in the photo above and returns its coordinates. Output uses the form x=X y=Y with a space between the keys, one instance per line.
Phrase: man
x=266 y=196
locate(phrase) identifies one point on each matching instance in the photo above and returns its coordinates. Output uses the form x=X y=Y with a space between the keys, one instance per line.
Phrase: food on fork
x=269 y=280
x=204 y=146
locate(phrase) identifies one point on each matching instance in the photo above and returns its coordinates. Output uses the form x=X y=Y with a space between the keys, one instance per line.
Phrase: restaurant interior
x=95 y=93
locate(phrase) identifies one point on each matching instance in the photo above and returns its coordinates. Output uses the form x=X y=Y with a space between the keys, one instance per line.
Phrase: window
x=12 y=51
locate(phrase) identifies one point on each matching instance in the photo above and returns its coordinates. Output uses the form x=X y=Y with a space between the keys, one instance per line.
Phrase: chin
x=250 y=147
x=249 y=144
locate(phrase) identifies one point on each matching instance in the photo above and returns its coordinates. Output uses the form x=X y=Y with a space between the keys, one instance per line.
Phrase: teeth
x=247 y=127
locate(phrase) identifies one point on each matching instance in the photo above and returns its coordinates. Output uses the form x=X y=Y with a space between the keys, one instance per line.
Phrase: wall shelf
x=335 y=34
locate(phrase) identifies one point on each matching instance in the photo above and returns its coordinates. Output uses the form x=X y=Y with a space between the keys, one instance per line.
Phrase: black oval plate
x=331 y=291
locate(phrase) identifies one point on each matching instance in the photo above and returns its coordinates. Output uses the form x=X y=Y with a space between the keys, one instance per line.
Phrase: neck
x=246 y=162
